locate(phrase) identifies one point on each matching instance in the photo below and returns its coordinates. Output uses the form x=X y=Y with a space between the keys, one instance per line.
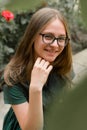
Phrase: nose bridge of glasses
x=55 y=41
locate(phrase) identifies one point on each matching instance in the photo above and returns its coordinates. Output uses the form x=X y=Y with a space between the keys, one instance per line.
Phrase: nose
x=55 y=43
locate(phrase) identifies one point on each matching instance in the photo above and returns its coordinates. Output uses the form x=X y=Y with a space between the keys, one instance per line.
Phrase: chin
x=50 y=59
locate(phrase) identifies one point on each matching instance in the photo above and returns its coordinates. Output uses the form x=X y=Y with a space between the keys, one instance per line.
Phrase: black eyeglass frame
x=67 y=39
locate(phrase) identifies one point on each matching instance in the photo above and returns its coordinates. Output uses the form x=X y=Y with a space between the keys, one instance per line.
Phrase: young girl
x=40 y=66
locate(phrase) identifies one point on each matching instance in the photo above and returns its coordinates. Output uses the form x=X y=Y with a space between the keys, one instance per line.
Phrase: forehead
x=55 y=26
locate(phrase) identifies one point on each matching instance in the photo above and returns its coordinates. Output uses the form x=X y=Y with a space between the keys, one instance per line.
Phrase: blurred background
x=11 y=32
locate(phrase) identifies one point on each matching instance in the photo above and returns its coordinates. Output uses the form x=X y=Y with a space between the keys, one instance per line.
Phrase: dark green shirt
x=19 y=93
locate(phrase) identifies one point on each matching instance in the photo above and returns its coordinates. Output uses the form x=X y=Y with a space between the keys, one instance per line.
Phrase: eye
x=48 y=36
x=62 y=39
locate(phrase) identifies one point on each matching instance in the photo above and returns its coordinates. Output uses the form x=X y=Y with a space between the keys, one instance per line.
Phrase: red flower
x=8 y=15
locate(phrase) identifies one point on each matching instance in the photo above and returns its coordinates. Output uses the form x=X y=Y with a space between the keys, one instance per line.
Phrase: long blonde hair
x=20 y=66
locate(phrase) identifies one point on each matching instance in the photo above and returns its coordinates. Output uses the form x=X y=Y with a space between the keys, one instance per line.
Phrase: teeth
x=51 y=51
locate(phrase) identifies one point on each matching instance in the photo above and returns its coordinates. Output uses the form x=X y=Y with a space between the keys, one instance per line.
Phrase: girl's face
x=46 y=46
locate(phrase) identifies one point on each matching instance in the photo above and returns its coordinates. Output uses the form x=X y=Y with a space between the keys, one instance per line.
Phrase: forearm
x=35 y=109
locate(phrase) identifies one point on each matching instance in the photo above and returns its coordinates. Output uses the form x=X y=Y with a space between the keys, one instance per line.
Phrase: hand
x=40 y=73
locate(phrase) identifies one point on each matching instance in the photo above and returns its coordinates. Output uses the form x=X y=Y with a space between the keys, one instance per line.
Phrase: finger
x=42 y=62
x=46 y=64
x=49 y=68
x=38 y=60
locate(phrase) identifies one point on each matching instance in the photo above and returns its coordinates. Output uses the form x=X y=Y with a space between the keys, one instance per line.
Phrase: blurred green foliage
x=22 y=5
x=69 y=110
x=83 y=4
x=10 y=34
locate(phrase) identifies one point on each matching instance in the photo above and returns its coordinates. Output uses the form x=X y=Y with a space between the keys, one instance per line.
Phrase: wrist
x=35 y=88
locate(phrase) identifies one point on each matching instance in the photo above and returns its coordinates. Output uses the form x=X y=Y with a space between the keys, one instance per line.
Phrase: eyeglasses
x=50 y=38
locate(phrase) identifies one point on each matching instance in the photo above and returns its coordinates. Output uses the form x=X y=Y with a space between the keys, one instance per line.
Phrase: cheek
x=38 y=48
x=38 y=44
x=60 y=50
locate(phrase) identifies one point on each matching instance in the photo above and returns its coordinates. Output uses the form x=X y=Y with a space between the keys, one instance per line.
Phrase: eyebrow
x=61 y=35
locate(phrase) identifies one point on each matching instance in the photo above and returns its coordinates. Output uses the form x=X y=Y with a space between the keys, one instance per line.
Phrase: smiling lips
x=51 y=52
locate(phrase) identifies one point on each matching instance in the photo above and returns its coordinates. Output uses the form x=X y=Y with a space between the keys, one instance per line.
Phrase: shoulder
x=15 y=94
x=17 y=88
